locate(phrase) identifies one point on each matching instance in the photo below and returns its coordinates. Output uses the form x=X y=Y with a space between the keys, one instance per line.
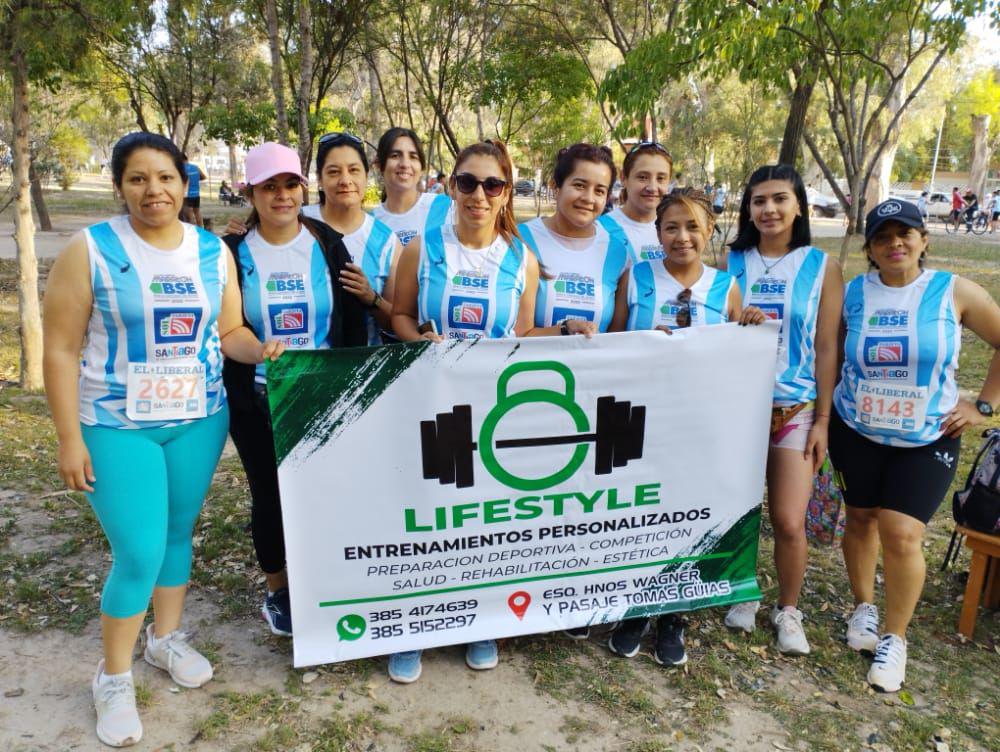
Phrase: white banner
x=442 y=494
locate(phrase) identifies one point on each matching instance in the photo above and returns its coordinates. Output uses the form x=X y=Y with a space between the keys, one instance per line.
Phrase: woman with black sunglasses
x=342 y=170
x=401 y=161
x=584 y=263
x=646 y=175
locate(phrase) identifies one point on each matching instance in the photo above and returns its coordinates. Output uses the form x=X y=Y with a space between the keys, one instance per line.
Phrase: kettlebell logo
x=447 y=444
x=889 y=208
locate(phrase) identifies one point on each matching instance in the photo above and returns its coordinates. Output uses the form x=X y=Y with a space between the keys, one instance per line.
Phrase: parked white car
x=822 y=205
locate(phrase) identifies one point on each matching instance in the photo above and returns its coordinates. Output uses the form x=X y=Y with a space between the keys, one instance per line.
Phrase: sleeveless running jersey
x=469 y=293
x=585 y=277
x=370 y=247
x=287 y=293
x=787 y=289
x=653 y=291
x=639 y=238
x=900 y=355
x=194 y=180
x=431 y=210
x=150 y=306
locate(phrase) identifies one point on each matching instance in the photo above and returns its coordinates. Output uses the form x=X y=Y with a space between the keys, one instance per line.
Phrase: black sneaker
x=669 y=649
x=277 y=612
x=577 y=633
x=626 y=638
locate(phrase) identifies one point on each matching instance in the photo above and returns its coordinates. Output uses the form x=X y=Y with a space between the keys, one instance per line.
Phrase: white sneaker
x=186 y=666
x=888 y=671
x=118 y=723
x=791 y=637
x=743 y=616
x=862 y=628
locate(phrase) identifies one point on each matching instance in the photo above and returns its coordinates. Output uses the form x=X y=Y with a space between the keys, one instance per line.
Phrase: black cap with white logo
x=895 y=210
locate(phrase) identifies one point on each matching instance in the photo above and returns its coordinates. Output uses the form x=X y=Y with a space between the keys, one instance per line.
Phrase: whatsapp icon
x=351 y=627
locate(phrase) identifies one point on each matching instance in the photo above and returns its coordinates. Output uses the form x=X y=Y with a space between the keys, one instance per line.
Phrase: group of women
x=174 y=326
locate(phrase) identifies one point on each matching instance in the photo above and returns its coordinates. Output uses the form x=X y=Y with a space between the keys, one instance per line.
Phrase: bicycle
x=956 y=222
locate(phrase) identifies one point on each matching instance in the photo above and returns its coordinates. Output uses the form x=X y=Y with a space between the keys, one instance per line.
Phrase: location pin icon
x=519 y=603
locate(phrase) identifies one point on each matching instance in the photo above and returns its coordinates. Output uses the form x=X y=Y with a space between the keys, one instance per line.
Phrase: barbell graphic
x=447 y=442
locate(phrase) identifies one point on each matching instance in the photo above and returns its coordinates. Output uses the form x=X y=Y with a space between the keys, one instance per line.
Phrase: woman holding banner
x=152 y=303
x=675 y=294
x=646 y=179
x=401 y=161
x=896 y=429
x=780 y=273
x=301 y=289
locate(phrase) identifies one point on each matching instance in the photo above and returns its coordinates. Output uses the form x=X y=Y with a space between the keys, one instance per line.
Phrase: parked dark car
x=524 y=187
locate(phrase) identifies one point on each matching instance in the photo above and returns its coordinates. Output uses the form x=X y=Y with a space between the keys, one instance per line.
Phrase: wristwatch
x=375 y=301
x=984 y=408
x=564 y=328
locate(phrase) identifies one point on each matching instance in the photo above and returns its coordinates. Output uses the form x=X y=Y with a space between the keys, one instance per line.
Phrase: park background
x=868 y=98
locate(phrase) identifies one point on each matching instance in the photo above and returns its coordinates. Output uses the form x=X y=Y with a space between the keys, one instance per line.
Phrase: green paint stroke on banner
x=315 y=394
x=740 y=568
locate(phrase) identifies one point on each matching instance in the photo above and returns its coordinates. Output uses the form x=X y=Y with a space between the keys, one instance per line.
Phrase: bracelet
x=564 y=327
x=375 y=300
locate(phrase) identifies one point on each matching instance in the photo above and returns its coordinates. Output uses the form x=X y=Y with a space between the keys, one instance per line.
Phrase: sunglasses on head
x=653 y=144
x=340 y=137
x=683 y=316
x=467 y=183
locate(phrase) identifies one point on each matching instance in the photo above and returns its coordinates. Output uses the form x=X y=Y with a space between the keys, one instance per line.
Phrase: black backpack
x=977 y=506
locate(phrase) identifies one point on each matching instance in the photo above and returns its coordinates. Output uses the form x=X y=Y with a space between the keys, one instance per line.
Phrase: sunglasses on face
x=467 y=183
x=683 y=316
x=654 y=144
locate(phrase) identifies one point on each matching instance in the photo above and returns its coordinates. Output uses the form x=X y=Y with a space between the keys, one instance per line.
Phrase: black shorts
x=909 y=480
x=193 y=201
x=996 y=216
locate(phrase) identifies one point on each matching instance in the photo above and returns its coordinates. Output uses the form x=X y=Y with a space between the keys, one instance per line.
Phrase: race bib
x=165 y=391
x=890 y=405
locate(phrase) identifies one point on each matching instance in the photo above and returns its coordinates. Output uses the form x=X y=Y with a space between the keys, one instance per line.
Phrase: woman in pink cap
x=293 y=273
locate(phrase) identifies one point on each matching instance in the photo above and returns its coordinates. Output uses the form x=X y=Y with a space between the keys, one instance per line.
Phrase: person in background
x=995 y=213
x=971 y=210
x=922 y=205
x=192 y=199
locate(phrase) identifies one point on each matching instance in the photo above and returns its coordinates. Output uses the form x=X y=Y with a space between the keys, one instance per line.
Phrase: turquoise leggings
x=150 y=486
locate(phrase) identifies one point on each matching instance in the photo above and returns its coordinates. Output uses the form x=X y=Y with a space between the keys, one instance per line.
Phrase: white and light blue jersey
x=900 y=356
x=468 y=292
x=653 y=291
x=640 y=238
x=150 y=306
x=373 y=243
x=786 y=289
x=431 y=210
x=287 y=292
x=584 y=271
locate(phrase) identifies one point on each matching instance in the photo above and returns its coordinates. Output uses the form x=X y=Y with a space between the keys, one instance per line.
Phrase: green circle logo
x=351 y=627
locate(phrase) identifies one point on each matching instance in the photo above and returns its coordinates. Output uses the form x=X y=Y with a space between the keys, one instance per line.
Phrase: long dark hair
x=506 y=225
x=143 y=140
x=388 y=140
x=747 y=234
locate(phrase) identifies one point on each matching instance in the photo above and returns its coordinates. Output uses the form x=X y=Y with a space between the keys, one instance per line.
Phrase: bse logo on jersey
x=173 y=286
x=889 y=318
x=574 y=285
x=886 y=357
x=470 y=279
x=651 y=253
x=768 y=287
x=467 y=313
x=173 y=326
x=289 y=318
x=285 y=282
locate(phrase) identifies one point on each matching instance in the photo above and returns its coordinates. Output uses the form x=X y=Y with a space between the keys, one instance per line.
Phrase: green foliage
x=242 y=123
x=981 y=96
x=63 y=155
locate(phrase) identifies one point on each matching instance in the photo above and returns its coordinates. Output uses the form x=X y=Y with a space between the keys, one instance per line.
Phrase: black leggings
x=250 y=427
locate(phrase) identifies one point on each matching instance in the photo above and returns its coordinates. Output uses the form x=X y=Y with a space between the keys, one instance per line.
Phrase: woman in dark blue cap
x=898 y=418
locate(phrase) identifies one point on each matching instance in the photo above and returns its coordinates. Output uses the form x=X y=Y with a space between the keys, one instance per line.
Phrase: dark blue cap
x=895 y=210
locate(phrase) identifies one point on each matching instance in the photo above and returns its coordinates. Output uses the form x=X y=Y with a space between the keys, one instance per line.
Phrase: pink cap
x=270 y=159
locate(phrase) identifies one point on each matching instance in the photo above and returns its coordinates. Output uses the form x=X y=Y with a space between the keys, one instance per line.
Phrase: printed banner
x=438 y=494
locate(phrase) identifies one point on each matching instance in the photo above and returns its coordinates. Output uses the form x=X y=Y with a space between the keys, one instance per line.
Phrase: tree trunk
x=29 y=309
x=232 y=166
x=881 y=183
x=795 y=123
x=374 y=127
x=277 y=79
x=38 y=198
x=305 y=84
x=980 y=154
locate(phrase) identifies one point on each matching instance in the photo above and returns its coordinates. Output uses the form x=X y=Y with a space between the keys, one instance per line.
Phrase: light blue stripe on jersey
x=251 y=289
x=322 y=300
x=615 y=260
x=641 y=317
x=507 y=293
x=438 y=212
x=716 y=303
x=375 y=264
x=543 y=284
x=615 y=230
x=737 y=267
x=801 y=353
x=929 y=314
x=209 y=250
x=129 y=290
x=433 y=278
